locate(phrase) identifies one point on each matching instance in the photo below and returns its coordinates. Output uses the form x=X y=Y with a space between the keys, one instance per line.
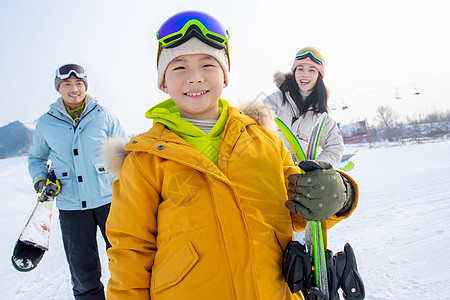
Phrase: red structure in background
x=355 y=132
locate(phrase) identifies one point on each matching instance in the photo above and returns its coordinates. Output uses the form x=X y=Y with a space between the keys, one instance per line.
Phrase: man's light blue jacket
x=75 y=153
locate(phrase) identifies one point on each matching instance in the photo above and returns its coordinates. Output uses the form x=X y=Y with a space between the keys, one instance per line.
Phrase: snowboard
x=34 y=239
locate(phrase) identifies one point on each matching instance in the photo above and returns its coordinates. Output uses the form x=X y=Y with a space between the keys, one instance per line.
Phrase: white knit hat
x=191 y=46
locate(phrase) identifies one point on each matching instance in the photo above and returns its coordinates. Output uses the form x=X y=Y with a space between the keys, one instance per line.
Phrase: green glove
x=319 y=193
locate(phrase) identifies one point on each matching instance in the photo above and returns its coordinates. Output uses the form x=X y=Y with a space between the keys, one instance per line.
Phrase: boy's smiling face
x=195 y=83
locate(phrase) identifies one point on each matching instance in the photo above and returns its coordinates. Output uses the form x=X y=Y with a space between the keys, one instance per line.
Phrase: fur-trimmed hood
x=114 y=152
x=279 y=78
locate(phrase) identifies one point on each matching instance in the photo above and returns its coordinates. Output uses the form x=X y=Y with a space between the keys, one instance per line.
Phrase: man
x=71 y=135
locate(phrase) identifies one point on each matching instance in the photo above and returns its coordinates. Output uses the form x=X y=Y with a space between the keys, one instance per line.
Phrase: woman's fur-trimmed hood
x=279 y=78
x=114 y=153
x=260 y=112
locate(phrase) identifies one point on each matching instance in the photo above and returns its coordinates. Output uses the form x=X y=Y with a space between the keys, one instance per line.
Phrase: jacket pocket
x=104 y=181
x=283 y=232
x=172 y=270
x=283 y=239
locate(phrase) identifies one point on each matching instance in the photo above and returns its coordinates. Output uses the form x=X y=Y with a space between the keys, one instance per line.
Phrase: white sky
x=371 y=48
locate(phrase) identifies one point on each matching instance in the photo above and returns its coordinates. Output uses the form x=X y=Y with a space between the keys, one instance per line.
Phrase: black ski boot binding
x=343 y=273
x=297 y=269
x=298 y=272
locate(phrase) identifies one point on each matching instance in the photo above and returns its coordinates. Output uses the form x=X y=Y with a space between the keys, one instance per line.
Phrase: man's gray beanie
x=72 y=74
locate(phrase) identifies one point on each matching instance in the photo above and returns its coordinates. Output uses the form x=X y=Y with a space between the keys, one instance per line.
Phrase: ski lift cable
x=397 y=79
x=389 y=88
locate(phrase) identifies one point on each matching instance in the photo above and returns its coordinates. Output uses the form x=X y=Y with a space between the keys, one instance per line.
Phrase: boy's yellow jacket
x=182 y=227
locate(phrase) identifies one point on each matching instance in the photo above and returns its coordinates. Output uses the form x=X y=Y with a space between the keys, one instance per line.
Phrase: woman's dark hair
x=317 y=100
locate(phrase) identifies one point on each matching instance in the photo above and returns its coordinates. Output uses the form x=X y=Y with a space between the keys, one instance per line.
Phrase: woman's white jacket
x=331 y=141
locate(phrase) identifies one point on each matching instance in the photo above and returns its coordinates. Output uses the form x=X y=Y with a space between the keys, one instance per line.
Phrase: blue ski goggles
x=312 y=53
x=184 y=25
x=66 y=71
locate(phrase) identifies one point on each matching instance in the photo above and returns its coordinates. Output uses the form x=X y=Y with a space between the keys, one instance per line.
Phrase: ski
x=298 y=154
x=314 y=239
x=34 y=239
x=315 y=231
x=346 y=164
x=310 y=267
x=346 y=157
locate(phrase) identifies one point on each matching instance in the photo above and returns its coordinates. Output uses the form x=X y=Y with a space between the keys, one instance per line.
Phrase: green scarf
x=167 y=113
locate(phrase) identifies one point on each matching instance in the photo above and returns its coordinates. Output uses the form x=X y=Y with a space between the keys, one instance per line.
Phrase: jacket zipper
x=74 y=127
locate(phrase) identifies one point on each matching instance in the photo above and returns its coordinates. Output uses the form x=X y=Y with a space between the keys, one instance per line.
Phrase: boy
x=198 y=210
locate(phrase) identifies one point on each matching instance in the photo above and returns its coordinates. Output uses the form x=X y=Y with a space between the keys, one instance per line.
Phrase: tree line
x=387 y=125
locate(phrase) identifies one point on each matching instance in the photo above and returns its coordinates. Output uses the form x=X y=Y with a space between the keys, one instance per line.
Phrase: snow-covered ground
x=400 y=232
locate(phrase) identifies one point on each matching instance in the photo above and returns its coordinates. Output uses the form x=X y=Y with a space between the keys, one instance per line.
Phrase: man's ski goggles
x=67 y=70
x=312 y=53
x=185 y=25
